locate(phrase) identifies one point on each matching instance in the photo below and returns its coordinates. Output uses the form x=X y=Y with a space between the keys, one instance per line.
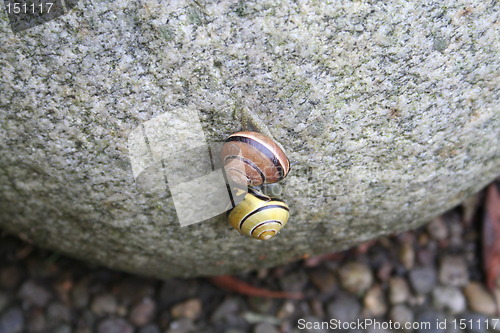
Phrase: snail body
x=251 y=158
x=259 y=216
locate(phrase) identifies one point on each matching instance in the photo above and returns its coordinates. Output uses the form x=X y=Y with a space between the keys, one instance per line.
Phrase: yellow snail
x=251 y=158
x=258 y=215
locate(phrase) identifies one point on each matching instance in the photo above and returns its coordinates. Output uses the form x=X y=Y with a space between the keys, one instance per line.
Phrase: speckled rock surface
x=388 y=110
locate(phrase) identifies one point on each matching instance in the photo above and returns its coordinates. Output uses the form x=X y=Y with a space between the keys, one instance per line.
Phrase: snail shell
x=251 y=158
x=259 y=216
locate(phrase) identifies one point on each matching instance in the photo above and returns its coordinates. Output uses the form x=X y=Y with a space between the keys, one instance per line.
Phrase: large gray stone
x=388 y=110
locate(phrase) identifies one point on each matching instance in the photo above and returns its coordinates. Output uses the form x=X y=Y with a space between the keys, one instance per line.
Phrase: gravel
x=453 y=271
x=430 y=275
x=345 y=308
x=104 y=304
x=143 y=312
x=479 y=299
x=448 y=298
x=12 y=321
x=401 y=314
x=34 y=295
x=423 y=279
x=399 y=292
x=355 y=277
x=115 y=325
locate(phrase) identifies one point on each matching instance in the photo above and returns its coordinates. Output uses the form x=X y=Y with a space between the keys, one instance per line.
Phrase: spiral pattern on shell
x=251 y=158
x=259 y=216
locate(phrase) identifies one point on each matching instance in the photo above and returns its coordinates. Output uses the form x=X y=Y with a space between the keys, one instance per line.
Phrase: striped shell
x=251 y=158
x=259 y=216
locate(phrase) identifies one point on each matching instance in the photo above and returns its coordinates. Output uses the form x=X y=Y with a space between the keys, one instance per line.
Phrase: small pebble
x=426 y=256
x=399 y=291
x=182 y=325
x=132 y=290
x=163 y=319
x=344 y=307
x=385 y=271
x=434 y=318
x=62 y=287
x=261 y=304
x=229 y=307
x=407 y=255
x=104 y=304
x=496 y=296
x=84 y=330
x=355 y=277
x=456 y=229
x=469 y=208
x=287 y=326
x=401 y=314
x=316 y=308
x=114 y=325
x=10 y=277
x=58 y=313
x=374 y=302
x=479 y=299
x=143 y=312
x=256 y=318
x=415 y=301
x=151 y=328
x=448 y=298
x=176 y=290
x=262 y=273
x=293 y=281
x=423 y=239
x=286 y=310
x=86 y=321
x=34 y=294
x=80 y=294
x=4 y=300
x=453 y=271
x=35 y=320
x=438 y=229
x=12 y=321
x=121 y=310
x=63 y=329
x=423 y=279
x=265 y=328
x=323 y=279
x=188 y=309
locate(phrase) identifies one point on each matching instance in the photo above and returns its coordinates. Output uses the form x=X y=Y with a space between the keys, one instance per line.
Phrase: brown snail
x=251 y=158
